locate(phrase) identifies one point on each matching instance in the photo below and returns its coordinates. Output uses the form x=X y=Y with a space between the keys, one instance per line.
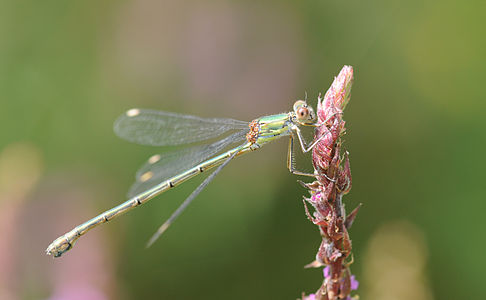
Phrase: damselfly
x=165 y=171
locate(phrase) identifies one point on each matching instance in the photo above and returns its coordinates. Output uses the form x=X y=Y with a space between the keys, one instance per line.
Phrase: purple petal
x=354 y=283
x=310 y=297
x=327 y=272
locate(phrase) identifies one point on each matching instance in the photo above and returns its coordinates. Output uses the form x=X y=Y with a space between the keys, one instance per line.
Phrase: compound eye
x=302 y=113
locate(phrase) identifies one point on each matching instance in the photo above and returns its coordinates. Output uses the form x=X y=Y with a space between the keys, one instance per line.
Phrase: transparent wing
x=188 y=200
x=161 y=167
x=160 y=128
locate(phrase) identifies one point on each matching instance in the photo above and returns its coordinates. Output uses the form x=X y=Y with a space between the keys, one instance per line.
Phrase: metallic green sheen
x=273 y=127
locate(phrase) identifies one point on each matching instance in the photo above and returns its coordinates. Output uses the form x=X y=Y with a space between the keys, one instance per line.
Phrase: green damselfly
x=165 y=171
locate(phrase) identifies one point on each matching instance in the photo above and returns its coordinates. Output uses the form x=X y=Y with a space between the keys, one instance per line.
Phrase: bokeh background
x=416 y=124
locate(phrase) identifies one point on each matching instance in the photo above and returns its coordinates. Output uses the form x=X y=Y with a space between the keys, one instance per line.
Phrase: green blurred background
x=415 y=121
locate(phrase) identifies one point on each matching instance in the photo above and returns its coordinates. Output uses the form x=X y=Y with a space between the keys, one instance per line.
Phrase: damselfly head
x=304 y=114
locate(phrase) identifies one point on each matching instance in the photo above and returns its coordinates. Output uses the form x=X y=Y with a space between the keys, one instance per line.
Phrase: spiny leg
x=290 y=160
x=305 y=149
x=319 y=124
x=303 y=143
